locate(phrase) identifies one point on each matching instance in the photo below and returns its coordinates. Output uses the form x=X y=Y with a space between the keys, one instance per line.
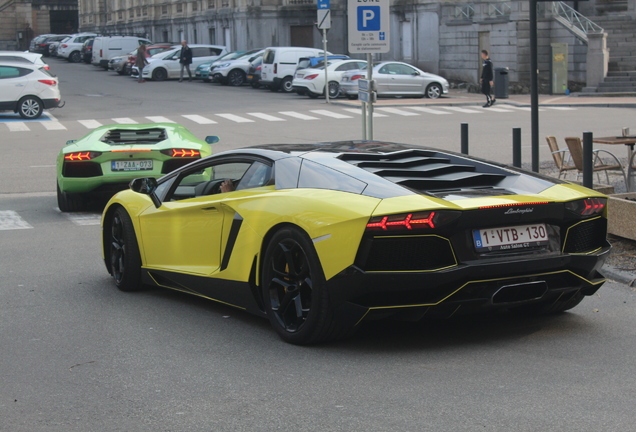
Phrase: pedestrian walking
x=141 y=62
x=487 y=77
x=185 y=59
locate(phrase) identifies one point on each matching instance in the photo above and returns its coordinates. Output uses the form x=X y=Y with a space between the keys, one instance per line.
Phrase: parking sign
x=369 y=26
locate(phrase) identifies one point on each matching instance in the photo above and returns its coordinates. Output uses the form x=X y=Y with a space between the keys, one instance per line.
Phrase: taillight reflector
x=275 y=67
x=81 y=156
x=356 y=77
x=587 y=206
x=310 y=77
x=408 y=221
x=185 y=153
x=48 y=82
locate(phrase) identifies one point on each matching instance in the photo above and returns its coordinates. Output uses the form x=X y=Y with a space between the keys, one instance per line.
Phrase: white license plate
x=131 y=165
x=510 y=238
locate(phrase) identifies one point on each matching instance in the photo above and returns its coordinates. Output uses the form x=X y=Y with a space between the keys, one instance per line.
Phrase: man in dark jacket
x=185 y=59
x=487 y=77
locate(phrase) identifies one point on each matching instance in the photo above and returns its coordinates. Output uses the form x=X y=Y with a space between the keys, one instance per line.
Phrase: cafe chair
x=631 y=174
x=561 y=157
x=576 y=152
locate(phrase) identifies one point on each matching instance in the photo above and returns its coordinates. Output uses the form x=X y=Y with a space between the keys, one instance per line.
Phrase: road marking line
x=463 y=110
x=159 y=119
x=267 y=117
x=125 y=120
x=297 y=115
x=359 y=112
x=235 y=118
x=198 y=119
x=429 y=110
x=17 y=127
x=522 y=108
x=11 y=220
x=561 y=108
x=497 y=109
x=90 y=124
x=327 y=113
x=82 y=218
x=53 y=125
x=398 y=112
x=42 y=166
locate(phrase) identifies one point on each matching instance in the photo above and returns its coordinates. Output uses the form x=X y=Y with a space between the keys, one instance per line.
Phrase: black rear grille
x=141 y=136
x=586 y=236
x=81 y=169
x=406 y=254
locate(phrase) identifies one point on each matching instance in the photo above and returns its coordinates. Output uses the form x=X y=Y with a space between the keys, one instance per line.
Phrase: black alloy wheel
x=123 y=252
x=159 y=74
x=236 y=78
x=75 y=57
x=334 y=89
x=296 y=300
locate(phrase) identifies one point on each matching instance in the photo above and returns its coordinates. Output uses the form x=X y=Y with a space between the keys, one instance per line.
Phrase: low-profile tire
x=286 y=85
x=159 y=74
x=30 y=107
x=433 y=91
x=70 y=202
x=123 y=252
x=312 y=95
x=334 y=89
x=565 y=302
x=75 y=57
x=236 y=78
x=294 y=290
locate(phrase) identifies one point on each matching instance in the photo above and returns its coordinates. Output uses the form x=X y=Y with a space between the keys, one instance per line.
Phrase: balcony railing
x=464 y=12
x=496 y=10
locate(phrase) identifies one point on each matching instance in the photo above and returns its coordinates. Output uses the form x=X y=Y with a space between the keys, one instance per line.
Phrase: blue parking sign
x=368 y=18
x=324 y=4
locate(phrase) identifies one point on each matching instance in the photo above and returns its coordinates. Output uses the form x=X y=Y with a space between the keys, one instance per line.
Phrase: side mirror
x=69 y=142
x=146 y=185
x=212 y=139
x=416 y=73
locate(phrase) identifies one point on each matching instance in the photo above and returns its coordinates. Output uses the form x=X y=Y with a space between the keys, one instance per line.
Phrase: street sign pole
x=370 y=104
x=534 y=87
x=324 y=48
x=324 y=23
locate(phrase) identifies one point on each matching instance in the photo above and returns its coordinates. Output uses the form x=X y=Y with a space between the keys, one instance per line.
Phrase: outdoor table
x=628 y=141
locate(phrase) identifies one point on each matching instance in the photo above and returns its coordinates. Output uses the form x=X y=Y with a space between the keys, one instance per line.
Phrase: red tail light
x=48 y=82
x=182 y=153
x=43 y=45
x=46 y=67
x=275 y=67
x=81 y=156
x=587 y=207
x=356 y=77
x=258 y=68
x=310 y=77
x=64 y=46
x=412 y=221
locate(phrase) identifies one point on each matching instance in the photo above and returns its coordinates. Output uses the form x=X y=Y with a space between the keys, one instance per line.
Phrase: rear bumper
x=53 y=103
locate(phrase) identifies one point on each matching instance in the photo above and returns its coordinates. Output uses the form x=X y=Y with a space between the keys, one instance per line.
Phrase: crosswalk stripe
x=11 y=220
x=497 y=109
x=198 y=119
x=267 y=117
x=17 y=127
x=429 y=110
x=159 y=119
x=124 y=120
x=463 y=110
x=398 y=111
x=561 y=108
x=82 y=218
x=297 y=115
x=90 y=124
x=359 y=112
x=53 y=125
x=522 y=108
x=235 y=118
x=332 y=114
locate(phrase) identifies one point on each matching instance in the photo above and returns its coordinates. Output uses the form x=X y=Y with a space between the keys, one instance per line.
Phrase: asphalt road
x=78 y=355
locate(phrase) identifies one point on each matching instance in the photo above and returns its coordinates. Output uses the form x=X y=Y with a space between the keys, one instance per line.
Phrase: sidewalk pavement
x=462 y=98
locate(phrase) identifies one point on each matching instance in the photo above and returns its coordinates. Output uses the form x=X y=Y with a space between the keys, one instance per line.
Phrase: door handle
x=19 y=85
x=210 y=209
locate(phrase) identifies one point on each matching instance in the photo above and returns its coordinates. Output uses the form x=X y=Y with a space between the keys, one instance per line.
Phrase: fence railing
x=577 y=23
x=464 y=12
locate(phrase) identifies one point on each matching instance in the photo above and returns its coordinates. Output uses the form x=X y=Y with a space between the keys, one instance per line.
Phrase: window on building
x=164 y=10
x=212 y=35
x=120 y=15
x=145 y=11
x=211 y=4
x=179 y=7
x=195 y=6
x=138 y=11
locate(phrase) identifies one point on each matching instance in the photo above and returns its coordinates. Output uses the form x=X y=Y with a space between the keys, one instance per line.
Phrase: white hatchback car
x=71 y=47
x=166 y=64
x=27 y=89
x=23 y=57
x=311 y=81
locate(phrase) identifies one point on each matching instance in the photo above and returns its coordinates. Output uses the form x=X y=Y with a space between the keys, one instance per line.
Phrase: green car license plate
x=131 y=165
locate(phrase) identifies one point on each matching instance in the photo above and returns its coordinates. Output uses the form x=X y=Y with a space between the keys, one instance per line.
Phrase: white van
x=279 y=65
x=107 y=47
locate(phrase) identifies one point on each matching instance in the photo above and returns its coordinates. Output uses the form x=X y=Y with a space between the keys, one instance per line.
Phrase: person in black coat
x=487 y=77
x=185 y=59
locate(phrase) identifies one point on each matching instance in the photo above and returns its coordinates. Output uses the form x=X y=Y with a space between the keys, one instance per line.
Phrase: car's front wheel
x=123 y=252
x=30 y=107
x=236 y=78
x=294 y=290
x=334 y=89
x=433 y=91
x=75 y=57
x=159 y=74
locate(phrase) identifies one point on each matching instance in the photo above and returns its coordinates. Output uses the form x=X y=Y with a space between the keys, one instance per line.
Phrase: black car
x=87 y=50
x=254 y=73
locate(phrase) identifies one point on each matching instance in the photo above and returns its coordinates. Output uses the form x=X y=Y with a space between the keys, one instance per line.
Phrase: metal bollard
x=516 y=147
x=588 y=160
x=465 y=138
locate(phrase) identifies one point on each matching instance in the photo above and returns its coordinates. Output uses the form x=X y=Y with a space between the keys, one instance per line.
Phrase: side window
x=259 y=174
x=200 y=52
x=346 y=67
x=10 y=72
x=316 y=176
x=204 y=181
x=406 y=70
x=215 y=51
x=385 y=69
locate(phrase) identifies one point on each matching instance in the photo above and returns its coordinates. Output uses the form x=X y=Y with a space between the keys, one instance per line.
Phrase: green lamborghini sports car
x=108 y=158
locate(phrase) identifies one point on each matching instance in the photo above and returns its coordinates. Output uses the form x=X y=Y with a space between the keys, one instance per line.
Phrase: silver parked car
x=396 y=79
x=234 y=72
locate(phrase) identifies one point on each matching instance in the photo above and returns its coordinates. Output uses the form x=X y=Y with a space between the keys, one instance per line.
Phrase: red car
x=150 y=51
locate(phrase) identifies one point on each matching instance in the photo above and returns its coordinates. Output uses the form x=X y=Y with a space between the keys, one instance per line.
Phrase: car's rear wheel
x=273 y=88
x=159 y=74
x=75 y=57
x=123 y=252
x=312 y=94
x=433 y=91
x=294 y=290
x=30 y=107
x=70 y=202
x=334 y=89
x=236 y=78
x=286 y=85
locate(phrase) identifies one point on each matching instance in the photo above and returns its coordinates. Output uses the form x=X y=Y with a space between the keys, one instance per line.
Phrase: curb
x=617 y=275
